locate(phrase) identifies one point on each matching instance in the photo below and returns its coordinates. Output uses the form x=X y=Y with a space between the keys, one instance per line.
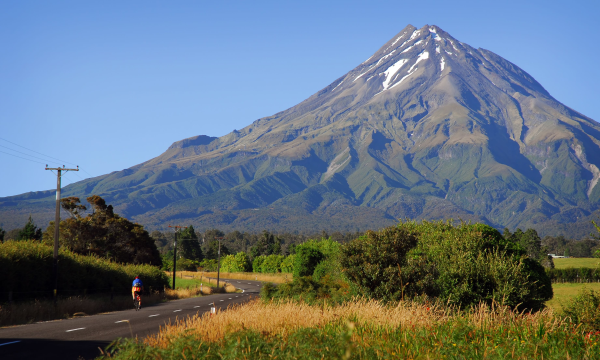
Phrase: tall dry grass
x=285 y=317
x=274 y=278
x=44 y=310
x=185 y=293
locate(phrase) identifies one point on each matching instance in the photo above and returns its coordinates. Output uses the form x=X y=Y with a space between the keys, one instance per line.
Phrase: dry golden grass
x=282 y=318
x=44 y=310
x=274 y=278
x=197 y=289
x=188 y=292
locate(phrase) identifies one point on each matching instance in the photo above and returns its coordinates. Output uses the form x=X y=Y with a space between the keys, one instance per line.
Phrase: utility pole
x=57 y=224
x=219 y=259
x=175 y=251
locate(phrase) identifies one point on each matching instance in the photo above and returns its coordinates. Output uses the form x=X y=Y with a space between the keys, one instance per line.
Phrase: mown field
x=576 y=263
x=563 y=293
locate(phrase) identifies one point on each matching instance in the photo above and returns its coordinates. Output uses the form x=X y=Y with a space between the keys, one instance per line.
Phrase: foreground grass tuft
x=364 y=329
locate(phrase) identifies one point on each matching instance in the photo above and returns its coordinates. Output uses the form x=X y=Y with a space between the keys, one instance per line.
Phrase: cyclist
x=136 y=289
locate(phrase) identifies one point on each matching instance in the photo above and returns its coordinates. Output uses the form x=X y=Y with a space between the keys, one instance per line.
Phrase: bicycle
x=137 y=302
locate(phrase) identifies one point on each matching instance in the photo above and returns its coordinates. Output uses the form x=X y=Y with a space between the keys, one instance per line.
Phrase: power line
x=22 y=157
x=67 y=162
x=49 y=157
x=20 y=152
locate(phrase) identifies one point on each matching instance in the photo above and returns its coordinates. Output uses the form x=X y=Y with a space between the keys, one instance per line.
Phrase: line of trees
x=102 y=233
x=197 y=249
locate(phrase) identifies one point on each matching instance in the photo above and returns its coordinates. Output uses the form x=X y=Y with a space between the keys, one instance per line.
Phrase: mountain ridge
x=427 y=127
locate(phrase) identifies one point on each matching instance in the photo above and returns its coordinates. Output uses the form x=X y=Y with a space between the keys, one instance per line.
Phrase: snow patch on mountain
x=385 y=57
x=338 y=85
x=422 y=56
x=391 y=71
x=410 y=47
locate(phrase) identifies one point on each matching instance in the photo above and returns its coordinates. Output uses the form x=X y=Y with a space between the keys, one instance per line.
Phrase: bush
x=308 y=289
x=257 y=263
x=287 y=265
x=462 y=265
x=585 y=310
x=372 y=262
x=271 y=264
x=208 y=265
x=184 y=264
x=239 y=262
x=306 y=260
x=574 y=274
x=26 y=268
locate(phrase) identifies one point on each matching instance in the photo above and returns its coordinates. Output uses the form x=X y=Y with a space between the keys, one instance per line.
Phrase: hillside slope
x=427 y=127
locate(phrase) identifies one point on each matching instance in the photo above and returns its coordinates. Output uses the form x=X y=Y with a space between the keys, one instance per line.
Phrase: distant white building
x=554 y=256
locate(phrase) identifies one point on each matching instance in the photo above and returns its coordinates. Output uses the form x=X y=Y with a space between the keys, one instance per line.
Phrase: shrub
x=26 y=268
x=372 y=262
x=585 y=310
x=184 y=264
x=257 y=263
x=574 y=274
x=308 y=289
x=306 y=260
x=208 y=265
x=287 y=265
x=239 y=262
x=462 y=265
x=271 y=264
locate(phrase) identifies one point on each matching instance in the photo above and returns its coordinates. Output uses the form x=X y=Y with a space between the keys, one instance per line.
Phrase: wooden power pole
x=57 y=223
x=219 y=260
x=177 y=227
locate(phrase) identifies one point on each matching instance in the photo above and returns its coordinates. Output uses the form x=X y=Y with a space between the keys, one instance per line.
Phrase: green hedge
x=574 y=274
x=26 y=268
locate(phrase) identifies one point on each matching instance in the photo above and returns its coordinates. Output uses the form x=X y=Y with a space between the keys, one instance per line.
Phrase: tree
x=268 y=244
x=103 y=233
x=531 y=242
x=30 y=231
x=306 y=260
x=189 y=245
x=597 y=234
x=460 y=265
x=239 y=262
x=2 y=233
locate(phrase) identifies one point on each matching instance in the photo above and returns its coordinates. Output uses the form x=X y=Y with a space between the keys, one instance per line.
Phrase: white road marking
x=221 y=300
x=231 y=298
x=249 y=284
x=196 y=306
x=74 y=329
x=120 y=321
x=177 y=310
x=153 y=315
x=12 y=342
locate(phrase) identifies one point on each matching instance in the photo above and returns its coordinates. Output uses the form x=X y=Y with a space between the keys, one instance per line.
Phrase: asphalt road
x=82 y=337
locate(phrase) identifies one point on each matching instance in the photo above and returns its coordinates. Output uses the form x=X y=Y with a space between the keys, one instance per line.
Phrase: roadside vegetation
x=364 y=329
x=416 y=290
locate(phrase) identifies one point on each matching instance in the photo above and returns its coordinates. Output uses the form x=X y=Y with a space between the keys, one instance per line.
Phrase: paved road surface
x=81 y=337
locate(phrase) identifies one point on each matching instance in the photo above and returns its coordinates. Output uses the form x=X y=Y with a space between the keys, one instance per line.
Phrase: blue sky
x=107 y=85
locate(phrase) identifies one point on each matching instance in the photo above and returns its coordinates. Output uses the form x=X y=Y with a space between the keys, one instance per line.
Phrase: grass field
x=576 y=263
x=186 y=283
x=567 y=291
x=364 y=330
